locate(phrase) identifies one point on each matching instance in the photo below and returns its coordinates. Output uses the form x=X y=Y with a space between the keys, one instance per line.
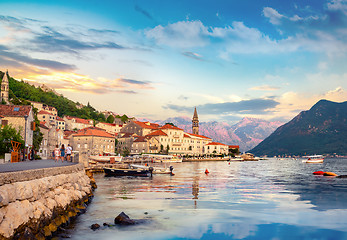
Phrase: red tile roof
x=140 y=139
x=234 y=146
x=60 y=119
x=169 y=126
x=9 y=110
x=79 y=120
x=147 y=125
x=216 y=143
x=186 y=136
x=43 y=125
x=196 y=135
x=92 y=131
x=44 y=112
x=156 y=133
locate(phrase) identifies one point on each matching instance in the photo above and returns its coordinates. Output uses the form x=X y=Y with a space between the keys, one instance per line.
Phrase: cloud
x=53 y=41
x=193 y=55
x=254 y=106
x=9 y=56
x=66 y=81
x=183 y=34
x=144 y=12
x=265 y=88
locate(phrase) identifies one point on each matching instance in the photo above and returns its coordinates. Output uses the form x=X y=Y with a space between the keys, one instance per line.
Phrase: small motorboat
x=128 y=172
x=156 y=170
x=314 y=159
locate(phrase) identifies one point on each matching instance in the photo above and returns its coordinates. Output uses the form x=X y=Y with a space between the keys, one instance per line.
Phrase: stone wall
x=36 y=202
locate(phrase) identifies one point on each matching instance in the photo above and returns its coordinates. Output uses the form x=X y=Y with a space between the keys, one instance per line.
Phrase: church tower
x=4 y=88
x=195 y=123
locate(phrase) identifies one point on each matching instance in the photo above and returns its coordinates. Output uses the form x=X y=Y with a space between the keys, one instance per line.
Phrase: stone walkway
x=35 y=164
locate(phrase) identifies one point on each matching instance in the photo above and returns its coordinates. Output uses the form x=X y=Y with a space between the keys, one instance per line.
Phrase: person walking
x=68 y=152
x=62 y=153
x=56 y=153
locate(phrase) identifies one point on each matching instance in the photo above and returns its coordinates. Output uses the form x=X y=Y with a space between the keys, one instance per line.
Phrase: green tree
x=124 y=118
x=8 y=133
x=110 y=119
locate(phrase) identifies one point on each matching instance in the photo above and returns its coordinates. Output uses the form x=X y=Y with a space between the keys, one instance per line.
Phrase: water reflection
x=254 y=200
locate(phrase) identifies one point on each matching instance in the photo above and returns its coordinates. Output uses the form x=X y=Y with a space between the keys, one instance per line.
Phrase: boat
x=249 y=157
x=314 y=159
x=158 y=158
x=236 y=159
x=156 y=170
x=128 y=172
x=105 y=158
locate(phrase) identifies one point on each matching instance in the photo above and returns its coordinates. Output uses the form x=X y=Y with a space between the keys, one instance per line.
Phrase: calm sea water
x=273 y=199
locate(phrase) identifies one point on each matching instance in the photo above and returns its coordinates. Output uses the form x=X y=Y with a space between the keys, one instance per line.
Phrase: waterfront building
x=197 y=143
x=195 y=123
x=93 y=141
x=216 y=148
x=140 y=145
x=139 y=128
x=75 y=123
x=125 y=142
x=21 y=117
x=51 y=137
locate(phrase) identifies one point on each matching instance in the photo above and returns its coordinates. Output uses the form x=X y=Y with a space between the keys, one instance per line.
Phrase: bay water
x=270 y=199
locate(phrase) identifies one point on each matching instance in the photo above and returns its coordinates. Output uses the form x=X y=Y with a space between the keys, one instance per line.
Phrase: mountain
x=322 y=129
x=247 y=133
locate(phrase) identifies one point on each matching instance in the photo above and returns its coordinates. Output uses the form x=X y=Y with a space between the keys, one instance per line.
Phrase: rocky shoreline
x=36 y=205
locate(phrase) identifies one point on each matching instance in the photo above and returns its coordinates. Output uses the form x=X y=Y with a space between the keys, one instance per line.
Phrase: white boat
x=155 y=170
x=314 y=159
x=105 y=159
x=158 y=158
x=236 y=159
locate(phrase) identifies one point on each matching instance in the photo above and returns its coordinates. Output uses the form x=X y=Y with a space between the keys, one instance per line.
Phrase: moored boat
x=314 y=159
x=155 y=170
x=128 y=172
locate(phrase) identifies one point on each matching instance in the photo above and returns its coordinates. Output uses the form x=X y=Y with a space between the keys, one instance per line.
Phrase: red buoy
x=206 y=171
x=318 y=173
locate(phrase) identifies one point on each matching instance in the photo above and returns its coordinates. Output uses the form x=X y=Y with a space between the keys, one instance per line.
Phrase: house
x=44 y=116
x=112 y=128
x=92 y=141
x=125 y=142
x=60 y=123
x=21 y=117
x=216 y=148
x=75 y=123
x=51 y=137
x=139 y=128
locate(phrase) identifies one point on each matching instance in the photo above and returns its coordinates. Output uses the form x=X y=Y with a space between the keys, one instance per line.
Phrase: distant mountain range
x=247 y=133
x=320 y=130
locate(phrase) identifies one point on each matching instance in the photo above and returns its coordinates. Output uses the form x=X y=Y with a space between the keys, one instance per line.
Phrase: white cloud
x=274 y=16
x=265 y=88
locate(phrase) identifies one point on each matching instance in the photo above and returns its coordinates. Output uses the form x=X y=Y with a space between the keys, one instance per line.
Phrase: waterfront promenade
x=35 y=164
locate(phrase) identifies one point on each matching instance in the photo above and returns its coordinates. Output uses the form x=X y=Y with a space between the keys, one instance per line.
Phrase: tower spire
x=195 y=122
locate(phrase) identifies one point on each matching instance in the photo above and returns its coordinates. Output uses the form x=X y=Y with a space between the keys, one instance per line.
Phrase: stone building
x=92 y=141
x=111 y=128
x=21 y=117
x=60 y=123
x=195 y=123
x=72 y=123
x=139 y=128
x=51 y=137
x=44 y=116
x=4 y=89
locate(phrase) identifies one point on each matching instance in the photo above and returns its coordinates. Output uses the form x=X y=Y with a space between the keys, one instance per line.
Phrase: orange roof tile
x=60 y=119
x=93 y=132
x=196 y=135
x=15 y=110
x=44 y=112
x=140 y=139
x=169 y=126
x=147 y=125
x=216 y=143
x=234 y=146
x=156 y=133
x=186 y=136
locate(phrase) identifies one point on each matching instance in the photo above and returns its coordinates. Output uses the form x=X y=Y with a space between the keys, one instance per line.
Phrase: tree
x=170 y=124
x=124 y=118
x=8 y=133
x=110 y=119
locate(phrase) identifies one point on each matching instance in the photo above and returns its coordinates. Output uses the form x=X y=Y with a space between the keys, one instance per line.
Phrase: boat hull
x=127 y=172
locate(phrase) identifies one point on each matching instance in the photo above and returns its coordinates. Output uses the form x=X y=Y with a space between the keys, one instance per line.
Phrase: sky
x=267 y=59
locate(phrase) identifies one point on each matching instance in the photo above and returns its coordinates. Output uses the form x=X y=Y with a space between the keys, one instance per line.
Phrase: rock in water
x=123 y=219
x=95 y=226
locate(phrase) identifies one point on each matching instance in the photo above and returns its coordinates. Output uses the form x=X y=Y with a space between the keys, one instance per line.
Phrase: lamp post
x=25 y=135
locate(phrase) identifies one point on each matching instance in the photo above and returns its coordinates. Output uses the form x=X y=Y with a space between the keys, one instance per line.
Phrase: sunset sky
x=157 y=59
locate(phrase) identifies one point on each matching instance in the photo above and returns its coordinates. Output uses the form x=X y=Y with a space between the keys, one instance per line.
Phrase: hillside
x=320 y=130
x=21 y=91
x=247 y=133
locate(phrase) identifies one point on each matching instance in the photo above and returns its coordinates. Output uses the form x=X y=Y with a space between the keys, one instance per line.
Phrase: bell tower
x=195 y=122
x=4 y=88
